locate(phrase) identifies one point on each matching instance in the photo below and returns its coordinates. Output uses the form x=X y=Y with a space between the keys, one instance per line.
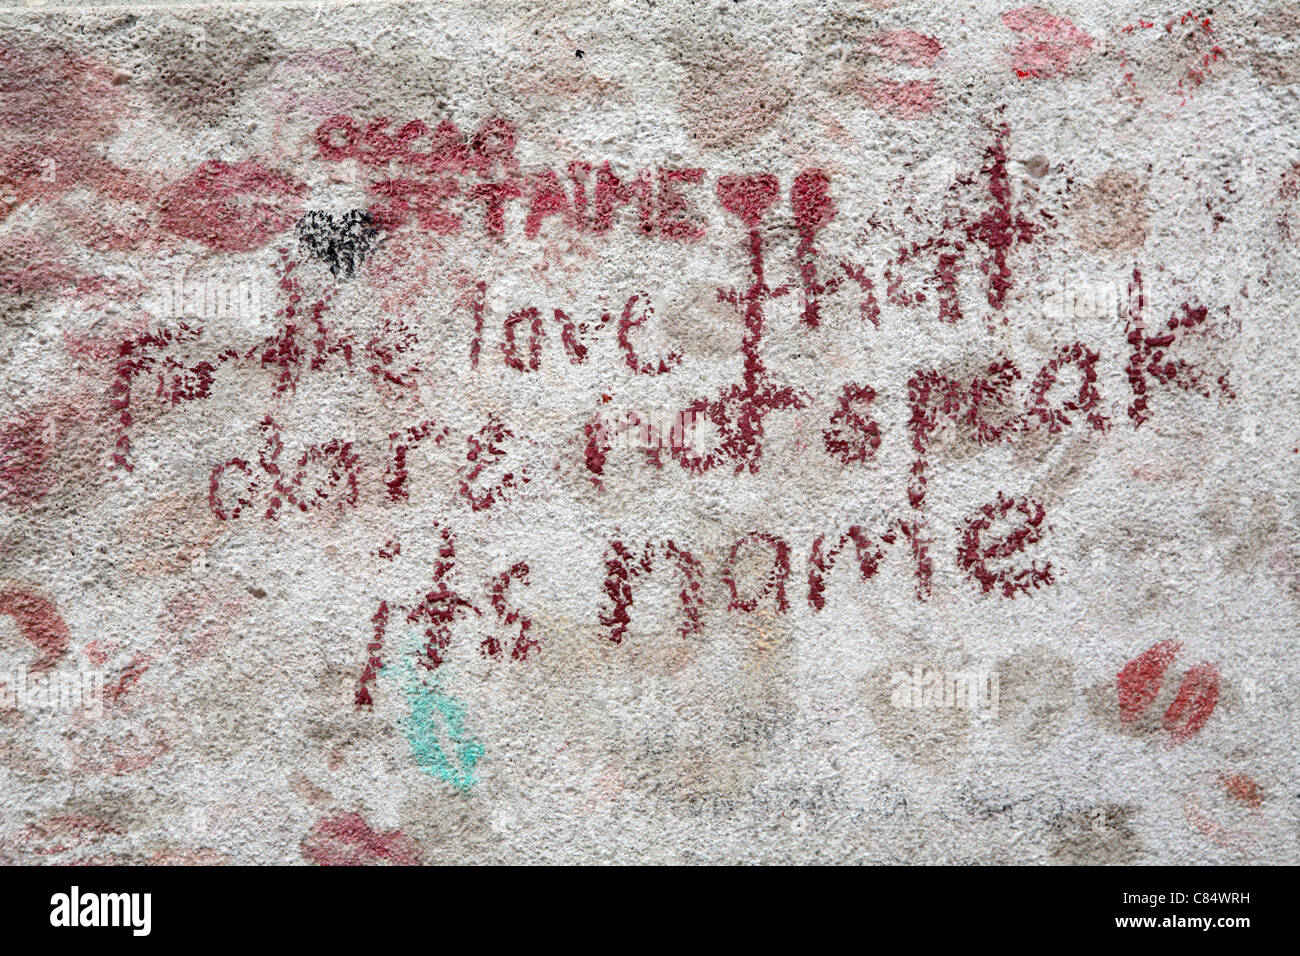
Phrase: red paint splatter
x=1205 y=52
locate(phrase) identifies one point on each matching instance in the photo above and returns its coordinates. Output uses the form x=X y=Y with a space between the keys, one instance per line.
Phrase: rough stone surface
x=648 y=431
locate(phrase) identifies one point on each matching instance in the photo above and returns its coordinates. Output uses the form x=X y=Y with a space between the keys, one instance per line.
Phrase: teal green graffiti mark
x=440 y=742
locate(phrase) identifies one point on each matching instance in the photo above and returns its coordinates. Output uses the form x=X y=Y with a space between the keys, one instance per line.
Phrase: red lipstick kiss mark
x=1227 y=810
x=68 y=836
x=1140 y=679
x=1243 y=788
x=1050 y=45
x=346 y=840
x=232 y=206
x=1197 y=696
x=39 y=622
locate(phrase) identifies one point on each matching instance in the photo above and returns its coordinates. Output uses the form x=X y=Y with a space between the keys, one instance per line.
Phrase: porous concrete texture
x=838 y=431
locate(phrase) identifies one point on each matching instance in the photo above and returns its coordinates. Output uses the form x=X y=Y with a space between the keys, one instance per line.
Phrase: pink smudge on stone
x=317 y=82
x=48 y=95
x=30 y=263
x=905 y=46
x=907 y=100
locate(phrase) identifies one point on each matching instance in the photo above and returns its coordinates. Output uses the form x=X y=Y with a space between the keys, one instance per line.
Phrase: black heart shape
x=342 y=243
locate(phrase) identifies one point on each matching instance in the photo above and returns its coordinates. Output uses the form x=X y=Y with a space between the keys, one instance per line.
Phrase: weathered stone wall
x=800 y=431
